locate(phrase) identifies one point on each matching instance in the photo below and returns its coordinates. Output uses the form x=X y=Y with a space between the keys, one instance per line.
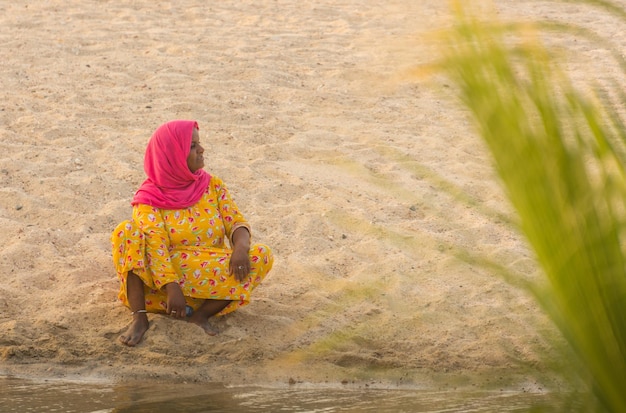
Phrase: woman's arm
x=239 y=260
x=163 y=273
x=239 y=234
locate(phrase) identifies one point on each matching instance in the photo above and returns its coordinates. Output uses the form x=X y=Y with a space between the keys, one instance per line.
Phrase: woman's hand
x=175 y=301
x=239 y=265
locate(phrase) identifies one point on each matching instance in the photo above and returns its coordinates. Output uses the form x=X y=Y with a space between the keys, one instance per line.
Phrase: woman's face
x=195 y=160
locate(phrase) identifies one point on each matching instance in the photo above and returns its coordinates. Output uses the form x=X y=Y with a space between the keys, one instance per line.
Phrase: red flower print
x=173 y=230
x=212 y=282
x=203 y=264
x=228 y=218
x=184 y=255
x=255 y=259
x=232 y=290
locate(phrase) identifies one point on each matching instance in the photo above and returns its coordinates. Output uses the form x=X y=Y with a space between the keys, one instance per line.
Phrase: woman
x=172 y=254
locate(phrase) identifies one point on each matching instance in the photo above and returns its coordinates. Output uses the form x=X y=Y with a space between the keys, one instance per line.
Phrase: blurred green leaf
x=557 y=154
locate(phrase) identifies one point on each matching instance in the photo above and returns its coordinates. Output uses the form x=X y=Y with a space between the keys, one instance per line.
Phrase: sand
x=371 y=186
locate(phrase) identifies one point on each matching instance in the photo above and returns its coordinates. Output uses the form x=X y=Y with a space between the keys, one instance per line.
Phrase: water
x=17 y=395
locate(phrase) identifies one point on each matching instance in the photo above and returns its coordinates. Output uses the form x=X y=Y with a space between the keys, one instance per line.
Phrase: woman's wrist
x=172 y=287
x=241 y=239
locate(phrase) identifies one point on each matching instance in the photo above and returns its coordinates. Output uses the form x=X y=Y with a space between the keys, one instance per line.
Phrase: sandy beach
x=371 y=186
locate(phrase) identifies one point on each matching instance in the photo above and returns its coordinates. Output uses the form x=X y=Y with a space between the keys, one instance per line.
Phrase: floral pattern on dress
x=187 y=246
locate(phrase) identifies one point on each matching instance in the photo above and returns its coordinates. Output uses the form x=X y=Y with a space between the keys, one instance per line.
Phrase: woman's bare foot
x=203 y=322
x=136 y=330
x=208 y=309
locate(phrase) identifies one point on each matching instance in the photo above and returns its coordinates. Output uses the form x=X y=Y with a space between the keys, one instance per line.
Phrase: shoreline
x=413 y=381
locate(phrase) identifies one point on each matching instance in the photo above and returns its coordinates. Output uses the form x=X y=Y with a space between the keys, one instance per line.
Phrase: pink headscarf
x=170 y=183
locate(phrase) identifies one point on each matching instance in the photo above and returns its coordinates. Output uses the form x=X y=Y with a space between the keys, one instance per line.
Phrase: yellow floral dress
x=187 y=246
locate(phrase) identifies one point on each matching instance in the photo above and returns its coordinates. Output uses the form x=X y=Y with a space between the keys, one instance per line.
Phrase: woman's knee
x=261 y=250
x=262 y=254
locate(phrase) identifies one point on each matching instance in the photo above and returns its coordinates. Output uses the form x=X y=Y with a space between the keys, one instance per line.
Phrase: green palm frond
x=560 y=157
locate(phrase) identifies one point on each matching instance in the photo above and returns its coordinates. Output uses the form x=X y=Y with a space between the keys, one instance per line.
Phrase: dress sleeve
x=232 y=218
x=151 y=223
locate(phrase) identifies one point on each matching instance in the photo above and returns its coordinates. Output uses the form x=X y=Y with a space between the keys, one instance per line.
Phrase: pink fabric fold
x=170 y=183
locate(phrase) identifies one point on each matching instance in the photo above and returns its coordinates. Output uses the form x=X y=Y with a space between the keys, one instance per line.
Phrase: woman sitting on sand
x=172 y=254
